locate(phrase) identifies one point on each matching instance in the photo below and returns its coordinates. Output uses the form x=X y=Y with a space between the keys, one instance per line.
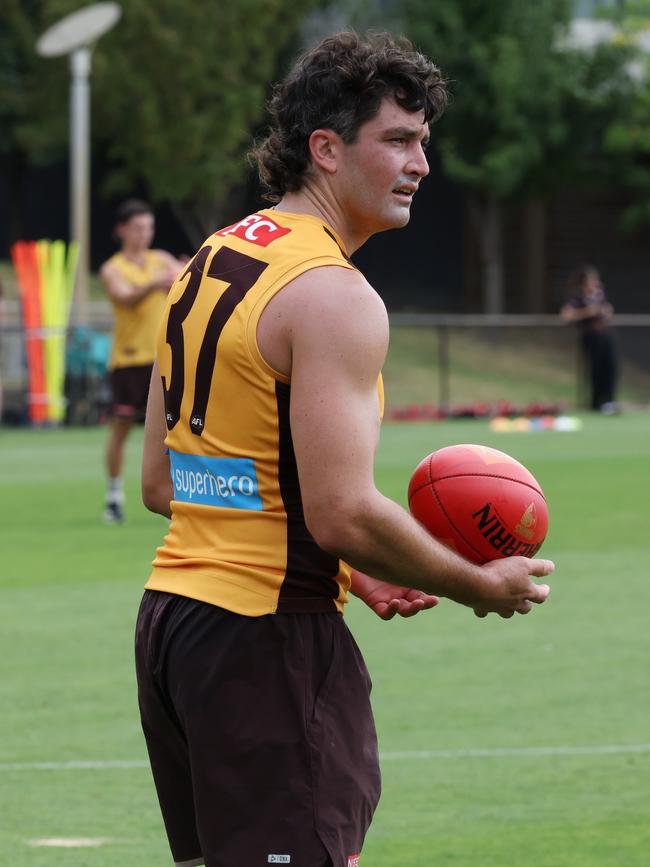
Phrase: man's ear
x=325 y=149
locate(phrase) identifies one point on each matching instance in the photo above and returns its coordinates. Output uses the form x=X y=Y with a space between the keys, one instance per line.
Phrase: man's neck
x=312 y=201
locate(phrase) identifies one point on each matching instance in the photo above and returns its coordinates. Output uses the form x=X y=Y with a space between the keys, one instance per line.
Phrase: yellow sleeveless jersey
x=136 y=327
x=237 y=537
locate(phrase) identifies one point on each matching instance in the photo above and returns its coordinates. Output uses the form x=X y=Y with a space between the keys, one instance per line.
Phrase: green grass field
x=519 y=743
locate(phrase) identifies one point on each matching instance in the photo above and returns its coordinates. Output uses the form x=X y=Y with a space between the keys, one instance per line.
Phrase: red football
x=480 y=502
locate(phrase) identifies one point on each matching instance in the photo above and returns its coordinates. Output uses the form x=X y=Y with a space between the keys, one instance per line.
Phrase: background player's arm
x=337 y=328
x=157 y=489
x=123 y=292
x=569 y=313
x=170 y=268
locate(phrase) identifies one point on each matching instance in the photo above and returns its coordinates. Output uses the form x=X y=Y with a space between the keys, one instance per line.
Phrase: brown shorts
x=260 y=734
x=130 y=387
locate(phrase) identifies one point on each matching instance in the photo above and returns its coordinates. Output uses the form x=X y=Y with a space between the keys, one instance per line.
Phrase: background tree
x=178 y=90
x=23 y=90
x=628 y=137
x=527 y=113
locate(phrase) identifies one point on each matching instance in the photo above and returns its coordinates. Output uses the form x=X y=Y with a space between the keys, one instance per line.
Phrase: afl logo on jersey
x=257 y=229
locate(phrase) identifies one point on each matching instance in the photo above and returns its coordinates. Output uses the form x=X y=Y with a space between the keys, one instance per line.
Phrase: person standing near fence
x=137 y=280
x=588 y=308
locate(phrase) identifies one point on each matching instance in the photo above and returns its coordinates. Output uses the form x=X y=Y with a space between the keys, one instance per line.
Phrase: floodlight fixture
x=76 y=34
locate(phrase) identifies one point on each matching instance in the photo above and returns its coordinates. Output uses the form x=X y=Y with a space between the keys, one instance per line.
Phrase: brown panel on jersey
x=242 y=273
x=309 y=580
x=343 y=253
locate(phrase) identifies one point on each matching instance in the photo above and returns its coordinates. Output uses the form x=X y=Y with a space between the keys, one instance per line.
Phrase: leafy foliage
x=528 y=112
x=627 y=140
x=193 y=81
x=17 y=64
x=29 y=136
x=525 y=111
x=178 y=90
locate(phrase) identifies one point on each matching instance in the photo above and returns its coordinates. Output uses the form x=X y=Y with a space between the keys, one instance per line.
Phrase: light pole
x=76 y=34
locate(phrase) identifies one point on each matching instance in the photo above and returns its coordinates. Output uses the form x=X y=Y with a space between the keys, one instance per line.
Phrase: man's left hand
x=387 y=600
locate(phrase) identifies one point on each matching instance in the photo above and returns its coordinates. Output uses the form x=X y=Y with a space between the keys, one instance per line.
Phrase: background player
x=137 y=280
x=254 y=697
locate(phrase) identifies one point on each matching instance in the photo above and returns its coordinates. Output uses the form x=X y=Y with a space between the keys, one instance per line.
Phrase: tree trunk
x=486 y=217
x=534 y=230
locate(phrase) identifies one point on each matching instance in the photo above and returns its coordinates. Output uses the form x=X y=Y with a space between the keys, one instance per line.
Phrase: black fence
x=437 y=365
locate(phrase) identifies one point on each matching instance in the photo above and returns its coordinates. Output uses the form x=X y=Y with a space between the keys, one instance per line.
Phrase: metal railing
x=442 y=359
x=548 y=351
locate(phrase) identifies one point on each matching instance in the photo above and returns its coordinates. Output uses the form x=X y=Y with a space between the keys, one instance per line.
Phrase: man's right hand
x=509 y=589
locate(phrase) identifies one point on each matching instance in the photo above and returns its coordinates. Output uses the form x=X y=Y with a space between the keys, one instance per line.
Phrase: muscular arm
x=337 y=329
x=157 y=489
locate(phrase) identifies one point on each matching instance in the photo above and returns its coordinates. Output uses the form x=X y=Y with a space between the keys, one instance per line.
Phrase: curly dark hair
x=340 y=85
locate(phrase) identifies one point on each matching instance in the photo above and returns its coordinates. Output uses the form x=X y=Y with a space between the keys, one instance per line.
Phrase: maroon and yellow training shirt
x=238 y=537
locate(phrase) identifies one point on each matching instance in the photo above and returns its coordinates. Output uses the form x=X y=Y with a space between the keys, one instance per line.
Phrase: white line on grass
x=500 y=752
x=70 y=842
x=98 y=765
x=470 y=753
